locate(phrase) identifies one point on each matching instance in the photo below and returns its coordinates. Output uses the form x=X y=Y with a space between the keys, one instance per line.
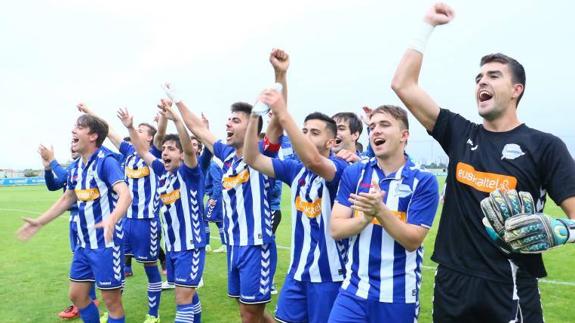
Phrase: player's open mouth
x=75 y=140
x=483 y=96
x=167 y=161
x=229 y=135
x=338 y=141
x=379 y=141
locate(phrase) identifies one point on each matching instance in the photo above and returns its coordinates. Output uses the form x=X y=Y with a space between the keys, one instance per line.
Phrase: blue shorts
x=303 y=301
x=73 y=235
x=141 y=239
x=350 y=308
x=185 y=268
x=103 y=265
x=250 y=272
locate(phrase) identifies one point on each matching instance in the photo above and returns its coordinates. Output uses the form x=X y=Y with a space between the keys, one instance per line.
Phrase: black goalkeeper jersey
x=481 y=161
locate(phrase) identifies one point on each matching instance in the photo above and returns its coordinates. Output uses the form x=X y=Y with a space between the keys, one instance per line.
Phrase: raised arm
x=54 y=174
x=406 y=78
x=252 y=155
x=193 y=122
x=190 y=156
x=161 y=133
x=304 y=148
x=114 y=137
x=139 y=145
x=280 y=62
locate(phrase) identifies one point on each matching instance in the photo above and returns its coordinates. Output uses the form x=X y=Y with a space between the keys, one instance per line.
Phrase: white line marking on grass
x=22 y=211
x=545 y=281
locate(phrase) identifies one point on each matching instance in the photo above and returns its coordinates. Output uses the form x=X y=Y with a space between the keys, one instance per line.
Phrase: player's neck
x=391 y=164
x=240 y=151
x=506 y=122
x=88 y=153
x=350 y=147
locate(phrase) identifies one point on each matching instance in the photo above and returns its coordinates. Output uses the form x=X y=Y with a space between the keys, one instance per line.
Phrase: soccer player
x=250 y=242
x=247 y=218
x=141 y=225
x=475 y=280
x=385 y=206
x=97 y=184
x=349 y=128
x=316 y=267
x=181 y=189
x=55 y=176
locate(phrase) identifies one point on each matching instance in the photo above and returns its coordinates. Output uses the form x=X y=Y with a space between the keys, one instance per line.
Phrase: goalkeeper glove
x=535 y=233
x=500 y=206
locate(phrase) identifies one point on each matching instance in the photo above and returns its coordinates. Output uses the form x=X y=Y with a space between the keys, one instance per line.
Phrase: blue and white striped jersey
x=93 y=184
x=247 y=215
x=143 y=184
x=378 y=267
x=315 y=255
x=181 y=195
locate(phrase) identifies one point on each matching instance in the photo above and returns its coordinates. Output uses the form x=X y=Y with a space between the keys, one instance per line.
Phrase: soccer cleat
x=220 y=249
x=167 y=285
x=104 y=318
x=152 y=319
x=274 y=289
x=71 y=312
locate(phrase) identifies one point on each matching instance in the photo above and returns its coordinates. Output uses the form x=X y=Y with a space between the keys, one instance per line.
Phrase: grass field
x=34 y=285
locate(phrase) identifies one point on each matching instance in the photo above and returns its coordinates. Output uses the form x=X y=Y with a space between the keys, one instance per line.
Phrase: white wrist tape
x=421 y=37
x=171 y=93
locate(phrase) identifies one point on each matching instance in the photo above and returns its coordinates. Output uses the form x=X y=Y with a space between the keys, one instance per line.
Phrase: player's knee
x=184 y=295
x=251 y=313
x=113 y=301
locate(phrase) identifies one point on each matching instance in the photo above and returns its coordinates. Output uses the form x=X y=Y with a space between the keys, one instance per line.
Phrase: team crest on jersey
x=230 y=182
x=89 y=194
x=403 y=190
x=171 y=197
x=511 y=151
x=310 y=209
x=137 y=172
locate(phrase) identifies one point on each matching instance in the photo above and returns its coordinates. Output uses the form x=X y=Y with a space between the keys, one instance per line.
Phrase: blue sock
x=221 y=231
x=207 y=231
x=118 y=320
x=197 y=305
x=90 y=314
x=93 y=292
x=185 y=313
x=154 y=289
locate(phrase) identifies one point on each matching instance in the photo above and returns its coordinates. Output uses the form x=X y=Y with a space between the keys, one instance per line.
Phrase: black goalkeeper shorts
x=463 y=298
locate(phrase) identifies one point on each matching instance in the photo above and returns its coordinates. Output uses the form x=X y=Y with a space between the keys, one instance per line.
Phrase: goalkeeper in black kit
x=489 y=253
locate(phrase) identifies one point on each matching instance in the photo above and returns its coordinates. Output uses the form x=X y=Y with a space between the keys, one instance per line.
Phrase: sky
x=112 y=54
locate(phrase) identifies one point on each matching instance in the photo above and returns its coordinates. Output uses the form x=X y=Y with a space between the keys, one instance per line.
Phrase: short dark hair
x=96 y=125
x=175 y=138
x=396 y=112
x=329 y=123
x=151 y=129
x=355 y=124
x=517 y=70
x=247 y=109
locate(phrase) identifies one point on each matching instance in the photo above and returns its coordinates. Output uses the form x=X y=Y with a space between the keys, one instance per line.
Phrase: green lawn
x=34 y=285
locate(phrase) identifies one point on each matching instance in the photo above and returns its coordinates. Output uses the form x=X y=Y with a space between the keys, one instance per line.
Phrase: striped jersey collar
x=405 y=171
